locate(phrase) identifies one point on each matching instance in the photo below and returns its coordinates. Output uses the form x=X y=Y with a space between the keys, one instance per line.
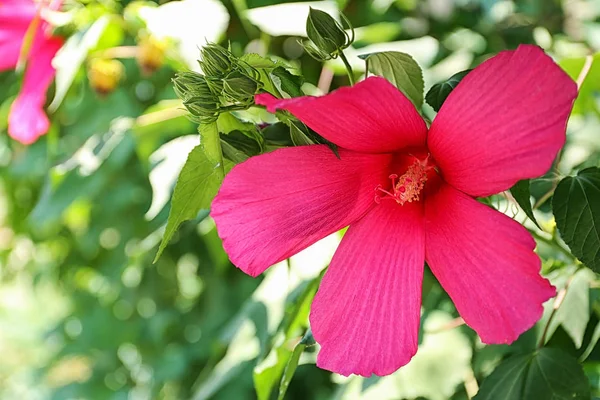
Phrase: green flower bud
x=215 y=61
x=238 y=87
x=327 y=35
x=197 y=96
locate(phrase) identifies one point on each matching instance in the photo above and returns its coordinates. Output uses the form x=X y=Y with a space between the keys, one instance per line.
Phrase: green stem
x=348 y=68
x=552 y=243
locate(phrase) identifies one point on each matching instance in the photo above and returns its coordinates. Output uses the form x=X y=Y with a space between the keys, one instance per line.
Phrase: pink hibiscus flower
x=27 y=120
x=407 y=193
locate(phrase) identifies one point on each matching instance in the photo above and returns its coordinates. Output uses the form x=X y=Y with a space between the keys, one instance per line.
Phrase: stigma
x=407 y=187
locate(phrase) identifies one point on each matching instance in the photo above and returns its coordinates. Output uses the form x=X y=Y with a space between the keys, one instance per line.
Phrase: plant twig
x=584 y=71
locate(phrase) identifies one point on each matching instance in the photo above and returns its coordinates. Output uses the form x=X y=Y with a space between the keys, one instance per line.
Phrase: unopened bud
x=327 y=35
x=215 y=60
x=151 y=54
x=105 y=74
x=197 y=96
x=238 y=87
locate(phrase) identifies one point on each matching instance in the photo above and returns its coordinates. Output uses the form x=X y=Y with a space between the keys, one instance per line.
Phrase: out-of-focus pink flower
x=27 y=119
x=407 y=193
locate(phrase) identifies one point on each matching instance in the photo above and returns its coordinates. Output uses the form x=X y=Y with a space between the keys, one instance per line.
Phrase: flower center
x=406 y=187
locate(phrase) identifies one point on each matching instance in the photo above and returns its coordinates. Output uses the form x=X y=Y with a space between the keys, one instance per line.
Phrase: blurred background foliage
x=85 y=314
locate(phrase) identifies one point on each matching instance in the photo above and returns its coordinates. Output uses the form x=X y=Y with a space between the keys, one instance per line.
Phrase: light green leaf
x=401 y=70
x=576 y=207
x=574 y=312
x=440 y=91
x=591 y=85
x=522 y=195
x=198 y=182
x=545 y=374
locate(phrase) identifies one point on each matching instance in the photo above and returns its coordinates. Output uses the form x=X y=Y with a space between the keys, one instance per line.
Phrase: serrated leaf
x=401 y=70
x=197 y=185
x=545 y=374
x=576 y=207
x=440 y=91
x=522 y=195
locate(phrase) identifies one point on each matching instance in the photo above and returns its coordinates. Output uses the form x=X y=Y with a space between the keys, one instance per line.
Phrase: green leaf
x=299 y=134
x=522 y=195
x=586 y=99
x=545 y=374
x=292 y=364
x=276 y=364
x=198 y=183
x=574 y=312
x=260 y=62
x=401 y=70
x=287 y=83
x=440 y=91
x=576 y=207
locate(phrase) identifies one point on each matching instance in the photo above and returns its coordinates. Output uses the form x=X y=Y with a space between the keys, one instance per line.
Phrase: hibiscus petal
x=274 y=205
x=504 y=122
x=371 y=116
x=27 y=120
x=366 y=313
x=485 y=261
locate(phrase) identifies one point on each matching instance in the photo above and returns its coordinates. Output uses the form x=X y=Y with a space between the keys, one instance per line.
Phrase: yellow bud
x=105 y=74
x=151 y=54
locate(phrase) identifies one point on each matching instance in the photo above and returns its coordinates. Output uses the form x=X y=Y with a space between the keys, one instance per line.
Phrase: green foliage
x=85 y=313
x=198 y=182
x=522 y=195
x=440 y=91
x=401 y=70
x=590 y=89
x=545 y=374
x=576 y=207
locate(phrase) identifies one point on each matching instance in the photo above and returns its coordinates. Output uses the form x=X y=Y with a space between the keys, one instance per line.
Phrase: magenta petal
x=372 y=116
x=504 y=122
x=27 y=120
x=366 y=313
x=274 y=205
x=485 y=261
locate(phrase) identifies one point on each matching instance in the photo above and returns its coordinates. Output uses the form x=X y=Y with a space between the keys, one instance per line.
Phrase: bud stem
x=348 y=68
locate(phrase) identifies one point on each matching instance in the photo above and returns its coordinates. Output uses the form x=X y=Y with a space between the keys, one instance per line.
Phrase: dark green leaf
x=236 y=142
x=545 y=374
x=290 y=368
x=299 y=134
x=521 y=193
x=401 y=70
x=576 y=207
x=440 y=91
x=287 y=83
x=197 y=185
